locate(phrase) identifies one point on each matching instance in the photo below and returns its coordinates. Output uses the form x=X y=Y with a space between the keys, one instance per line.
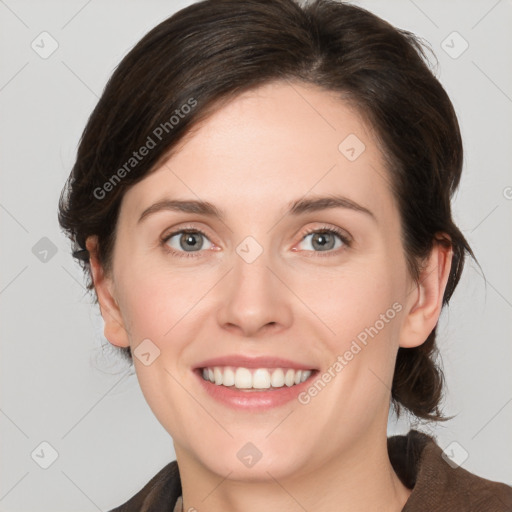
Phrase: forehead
x=269 y=146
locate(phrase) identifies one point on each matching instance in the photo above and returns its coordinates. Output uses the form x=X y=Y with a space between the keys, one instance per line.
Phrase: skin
x=251 y=158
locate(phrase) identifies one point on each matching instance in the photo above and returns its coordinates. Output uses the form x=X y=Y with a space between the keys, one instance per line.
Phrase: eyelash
x=347 y=242
x=181 y=254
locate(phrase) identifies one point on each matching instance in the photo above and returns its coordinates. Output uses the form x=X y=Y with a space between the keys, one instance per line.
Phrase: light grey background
x=59 y=386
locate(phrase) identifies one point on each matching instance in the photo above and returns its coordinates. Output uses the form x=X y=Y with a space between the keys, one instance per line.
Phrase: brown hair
x=211 y=51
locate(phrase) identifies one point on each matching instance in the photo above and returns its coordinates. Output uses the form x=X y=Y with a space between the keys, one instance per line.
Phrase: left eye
x=188 y=241
x=323 y=240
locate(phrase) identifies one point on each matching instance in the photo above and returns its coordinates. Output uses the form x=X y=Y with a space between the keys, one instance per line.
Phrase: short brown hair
x=213 y=50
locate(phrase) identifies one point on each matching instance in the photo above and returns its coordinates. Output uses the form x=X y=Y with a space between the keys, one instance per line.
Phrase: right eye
x=186 y=241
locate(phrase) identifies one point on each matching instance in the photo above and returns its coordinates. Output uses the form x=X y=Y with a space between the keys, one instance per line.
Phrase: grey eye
x=322 y=241
x=188 y=241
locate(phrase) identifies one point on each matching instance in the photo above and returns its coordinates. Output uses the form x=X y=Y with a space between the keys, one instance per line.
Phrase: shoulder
x=159 y=494
x=438 y=483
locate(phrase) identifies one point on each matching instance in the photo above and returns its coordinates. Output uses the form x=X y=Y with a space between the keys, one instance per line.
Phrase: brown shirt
x=417 y=460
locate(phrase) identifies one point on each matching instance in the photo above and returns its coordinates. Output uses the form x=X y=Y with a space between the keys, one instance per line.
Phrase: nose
x=255 y=300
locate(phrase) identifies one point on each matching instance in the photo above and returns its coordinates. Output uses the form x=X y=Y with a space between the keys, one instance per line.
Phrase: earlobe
x=424 y=308
x=115 y=330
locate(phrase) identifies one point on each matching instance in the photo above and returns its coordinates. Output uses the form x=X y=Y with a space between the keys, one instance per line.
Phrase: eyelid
x=178 y=230
x=168 y=233
x=342 y=234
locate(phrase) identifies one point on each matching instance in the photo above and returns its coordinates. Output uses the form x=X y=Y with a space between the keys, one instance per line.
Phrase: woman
x=261 y=199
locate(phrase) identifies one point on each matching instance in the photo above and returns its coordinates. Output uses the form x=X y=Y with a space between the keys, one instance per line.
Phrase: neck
x=360 y=479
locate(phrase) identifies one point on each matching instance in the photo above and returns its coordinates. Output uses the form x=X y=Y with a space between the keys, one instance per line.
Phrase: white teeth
x=277 y=379
x=229 y=377
x=289 y=378
x=258 y=378
x=217 y=375
x=305 y=375
x=243 y=378
x=261 y=379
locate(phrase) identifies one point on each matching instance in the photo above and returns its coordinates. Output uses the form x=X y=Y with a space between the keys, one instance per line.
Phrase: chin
x=257 y=461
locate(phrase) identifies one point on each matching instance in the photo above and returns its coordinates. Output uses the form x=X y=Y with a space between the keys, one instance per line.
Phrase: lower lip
x=252 y=400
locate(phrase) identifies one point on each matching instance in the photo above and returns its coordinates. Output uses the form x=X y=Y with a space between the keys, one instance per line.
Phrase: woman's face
x=295 y=263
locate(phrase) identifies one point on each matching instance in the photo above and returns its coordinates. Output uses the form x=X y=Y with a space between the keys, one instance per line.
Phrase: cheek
x=155 y=301
x=352 y=300
x=159 y=306
x=362 y=308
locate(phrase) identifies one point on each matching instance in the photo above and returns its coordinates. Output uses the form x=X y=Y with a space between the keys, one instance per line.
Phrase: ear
x=426 y=299
x=115 y=330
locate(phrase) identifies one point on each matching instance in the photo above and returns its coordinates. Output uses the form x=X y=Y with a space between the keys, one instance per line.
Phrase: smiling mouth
x=254 y=379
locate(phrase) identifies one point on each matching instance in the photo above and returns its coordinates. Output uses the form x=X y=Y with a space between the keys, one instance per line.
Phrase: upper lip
x=237 y=360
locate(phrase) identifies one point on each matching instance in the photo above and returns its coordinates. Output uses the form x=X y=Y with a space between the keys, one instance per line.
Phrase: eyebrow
x=188 y=206
x=326 y=202
x=295 y=208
